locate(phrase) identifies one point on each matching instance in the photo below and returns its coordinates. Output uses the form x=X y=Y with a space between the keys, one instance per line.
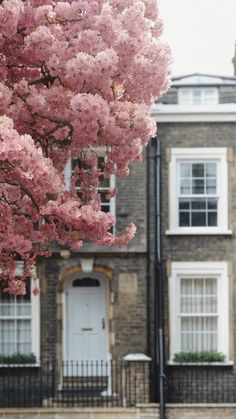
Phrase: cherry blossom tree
x=74 y=76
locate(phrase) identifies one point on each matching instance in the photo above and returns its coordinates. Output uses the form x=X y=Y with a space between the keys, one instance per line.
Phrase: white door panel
x=86 y=323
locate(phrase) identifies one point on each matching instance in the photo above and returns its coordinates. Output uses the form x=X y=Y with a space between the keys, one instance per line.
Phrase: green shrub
x=18 y=358
x=203 y=356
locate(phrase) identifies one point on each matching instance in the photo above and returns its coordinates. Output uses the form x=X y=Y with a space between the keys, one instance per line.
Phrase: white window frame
x=194 y=155
x=67 y=176
x=35 y=315
x=194 y=269
x=189 y=101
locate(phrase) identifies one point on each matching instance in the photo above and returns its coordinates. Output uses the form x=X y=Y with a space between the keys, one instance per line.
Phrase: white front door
x=86 y=338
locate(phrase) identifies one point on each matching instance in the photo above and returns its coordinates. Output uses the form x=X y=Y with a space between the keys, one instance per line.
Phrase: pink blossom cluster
x=74 y=76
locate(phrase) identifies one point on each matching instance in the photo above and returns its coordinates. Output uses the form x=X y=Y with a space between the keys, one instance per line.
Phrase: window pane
x=105 y=208
x=197 y=92
x=185 y=304
x=184 y=219
x=212 y=219
x=211 y=186
x=198 y=204
x=198 y=333
x=186 y=286
x=23 y=309
x=212 y=203
x=7 y=331
x=185 y=187
x=198 y=170
x=7 y=309
x=211 y=170
x=211 y=286
x=210 y=304
x=86 y=282
x=198 y=286
x=7 y=348
x=24 y=348
x=185 y=170
x=104 y=183
x=184 y=204
x=103 y=197
x=198 y=186
x=198 y=219
x=23 y=330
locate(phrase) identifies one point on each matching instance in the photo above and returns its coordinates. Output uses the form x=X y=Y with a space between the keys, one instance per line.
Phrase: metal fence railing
x=111 y=384
x=201 y=384
x=68 y=384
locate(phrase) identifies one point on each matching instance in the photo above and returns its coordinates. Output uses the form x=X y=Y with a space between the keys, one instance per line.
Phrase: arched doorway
x=85 y=322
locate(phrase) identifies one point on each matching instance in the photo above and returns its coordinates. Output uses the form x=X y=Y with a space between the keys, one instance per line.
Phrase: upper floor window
x=198 y=191
x=199 y=309
x=198 y=96
x=106 y=184
x=19 y=323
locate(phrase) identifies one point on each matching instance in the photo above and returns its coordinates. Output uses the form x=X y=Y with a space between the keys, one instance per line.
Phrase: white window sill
x=20 y=365
x=208 y=364
x=198 y=232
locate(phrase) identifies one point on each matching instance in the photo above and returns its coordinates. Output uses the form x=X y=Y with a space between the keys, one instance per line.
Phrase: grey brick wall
x=227 y=94
x=129 y=288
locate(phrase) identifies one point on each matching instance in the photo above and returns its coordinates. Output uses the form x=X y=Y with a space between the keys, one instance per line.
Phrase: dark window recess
x=86 y=282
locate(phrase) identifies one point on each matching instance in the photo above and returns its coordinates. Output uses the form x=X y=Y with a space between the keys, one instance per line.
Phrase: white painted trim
x=180 y=113
x=198 y=231
x=67 y=175
x=218 y=154
x=206 y=80
x=35 y=322
x=218 y=269
x=136 y=357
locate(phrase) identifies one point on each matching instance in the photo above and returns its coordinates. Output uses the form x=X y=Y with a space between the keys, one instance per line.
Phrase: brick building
x=177 y=276
x=92 y=311
x=197 y=133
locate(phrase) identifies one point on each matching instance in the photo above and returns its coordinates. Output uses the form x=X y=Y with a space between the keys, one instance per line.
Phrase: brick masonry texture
x=129 y=319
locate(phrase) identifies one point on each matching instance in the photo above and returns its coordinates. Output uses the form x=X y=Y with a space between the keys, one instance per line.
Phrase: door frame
x=66 y=283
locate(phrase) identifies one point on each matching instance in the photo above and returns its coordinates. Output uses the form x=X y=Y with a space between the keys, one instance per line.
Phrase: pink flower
x=36 y=291
x=16 y=287
x=76 y=77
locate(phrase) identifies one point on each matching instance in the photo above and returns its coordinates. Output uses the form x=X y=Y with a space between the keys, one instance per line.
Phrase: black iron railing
x=109 y=384
x=200 y=384
x=69 y=384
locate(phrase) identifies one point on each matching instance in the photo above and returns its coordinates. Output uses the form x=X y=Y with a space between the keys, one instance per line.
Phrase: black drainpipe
x=148 y=275
x=159 y=283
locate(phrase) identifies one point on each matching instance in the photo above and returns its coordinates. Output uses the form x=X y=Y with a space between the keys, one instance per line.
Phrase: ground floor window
x=198 y=303
x=19 y=324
